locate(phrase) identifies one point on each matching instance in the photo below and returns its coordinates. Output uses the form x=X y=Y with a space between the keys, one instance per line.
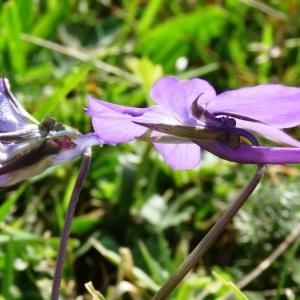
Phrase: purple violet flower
x=189 y=114
x=28 y=147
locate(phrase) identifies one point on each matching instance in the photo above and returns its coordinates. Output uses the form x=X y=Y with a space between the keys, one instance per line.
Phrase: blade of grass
x=70 y=82
x=6 y=207
x=149 y=14
x=80 y=55
x=231 y=287
x=12 y=25
x=62 y=206
x=47 y=23
x=8 y=274
x=115 y=258
x=155 y=269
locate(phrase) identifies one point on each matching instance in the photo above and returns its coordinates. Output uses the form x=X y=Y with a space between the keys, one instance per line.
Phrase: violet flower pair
x=189 y=114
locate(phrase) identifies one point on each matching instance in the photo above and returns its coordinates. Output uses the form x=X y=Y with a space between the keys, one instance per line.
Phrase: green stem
x=209 y=238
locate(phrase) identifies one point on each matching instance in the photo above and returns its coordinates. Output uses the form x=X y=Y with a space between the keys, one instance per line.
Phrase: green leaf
x=84 y=223
x=6 y=207
x=12 y=25
x=47 y=23
x=231 y=287
x=296 y=271
x=148 y=15
x=175 y=37
x=115 y=258
x=25 y=9
x=94 y=293
x=156 y=271
x=8 y=274
x=146 y=71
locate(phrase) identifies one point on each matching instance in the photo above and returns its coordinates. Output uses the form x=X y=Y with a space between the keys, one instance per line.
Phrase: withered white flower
x=28 y=147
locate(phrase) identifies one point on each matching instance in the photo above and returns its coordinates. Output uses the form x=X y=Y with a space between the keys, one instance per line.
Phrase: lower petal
x=179 y=156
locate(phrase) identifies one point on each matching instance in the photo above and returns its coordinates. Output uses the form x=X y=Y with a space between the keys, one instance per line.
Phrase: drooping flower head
x=189 y=114
x=28 y=147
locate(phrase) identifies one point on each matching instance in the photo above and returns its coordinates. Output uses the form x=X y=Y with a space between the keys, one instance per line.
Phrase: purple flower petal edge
x=113 y=123
x=179 y=156
x=177 y=96
x=273 y=104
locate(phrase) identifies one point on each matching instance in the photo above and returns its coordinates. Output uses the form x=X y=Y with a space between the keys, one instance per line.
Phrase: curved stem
x=68 y=221
x=209 y=238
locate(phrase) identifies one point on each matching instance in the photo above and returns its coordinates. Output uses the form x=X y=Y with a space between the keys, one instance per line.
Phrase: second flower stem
x=68 y=222
x=209 y=238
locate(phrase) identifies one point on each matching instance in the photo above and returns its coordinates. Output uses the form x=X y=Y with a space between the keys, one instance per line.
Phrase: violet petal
x=112 y=122
x=273 y=104
x=179 y=156
x=177 y=96
x=115 y=123
x=97 y=107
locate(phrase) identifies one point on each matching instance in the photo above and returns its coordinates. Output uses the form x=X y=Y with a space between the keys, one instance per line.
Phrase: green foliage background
x=137 y=219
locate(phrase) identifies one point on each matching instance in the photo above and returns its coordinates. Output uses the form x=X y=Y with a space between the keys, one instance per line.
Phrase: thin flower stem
x=68 y=221
x=209 y=238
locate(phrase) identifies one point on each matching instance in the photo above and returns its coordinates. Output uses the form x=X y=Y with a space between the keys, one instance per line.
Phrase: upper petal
x=98 y=107
x=273 y=104
x=115 y=123
x=254 y=154
x=112 y=122
x=177 y=96
x=179 y=156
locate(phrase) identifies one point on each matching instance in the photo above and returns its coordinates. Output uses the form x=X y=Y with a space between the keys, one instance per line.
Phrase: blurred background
x=137 y=219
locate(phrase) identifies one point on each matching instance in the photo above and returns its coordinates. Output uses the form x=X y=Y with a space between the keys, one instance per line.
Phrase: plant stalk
x=209 y=238
x=68 y=222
